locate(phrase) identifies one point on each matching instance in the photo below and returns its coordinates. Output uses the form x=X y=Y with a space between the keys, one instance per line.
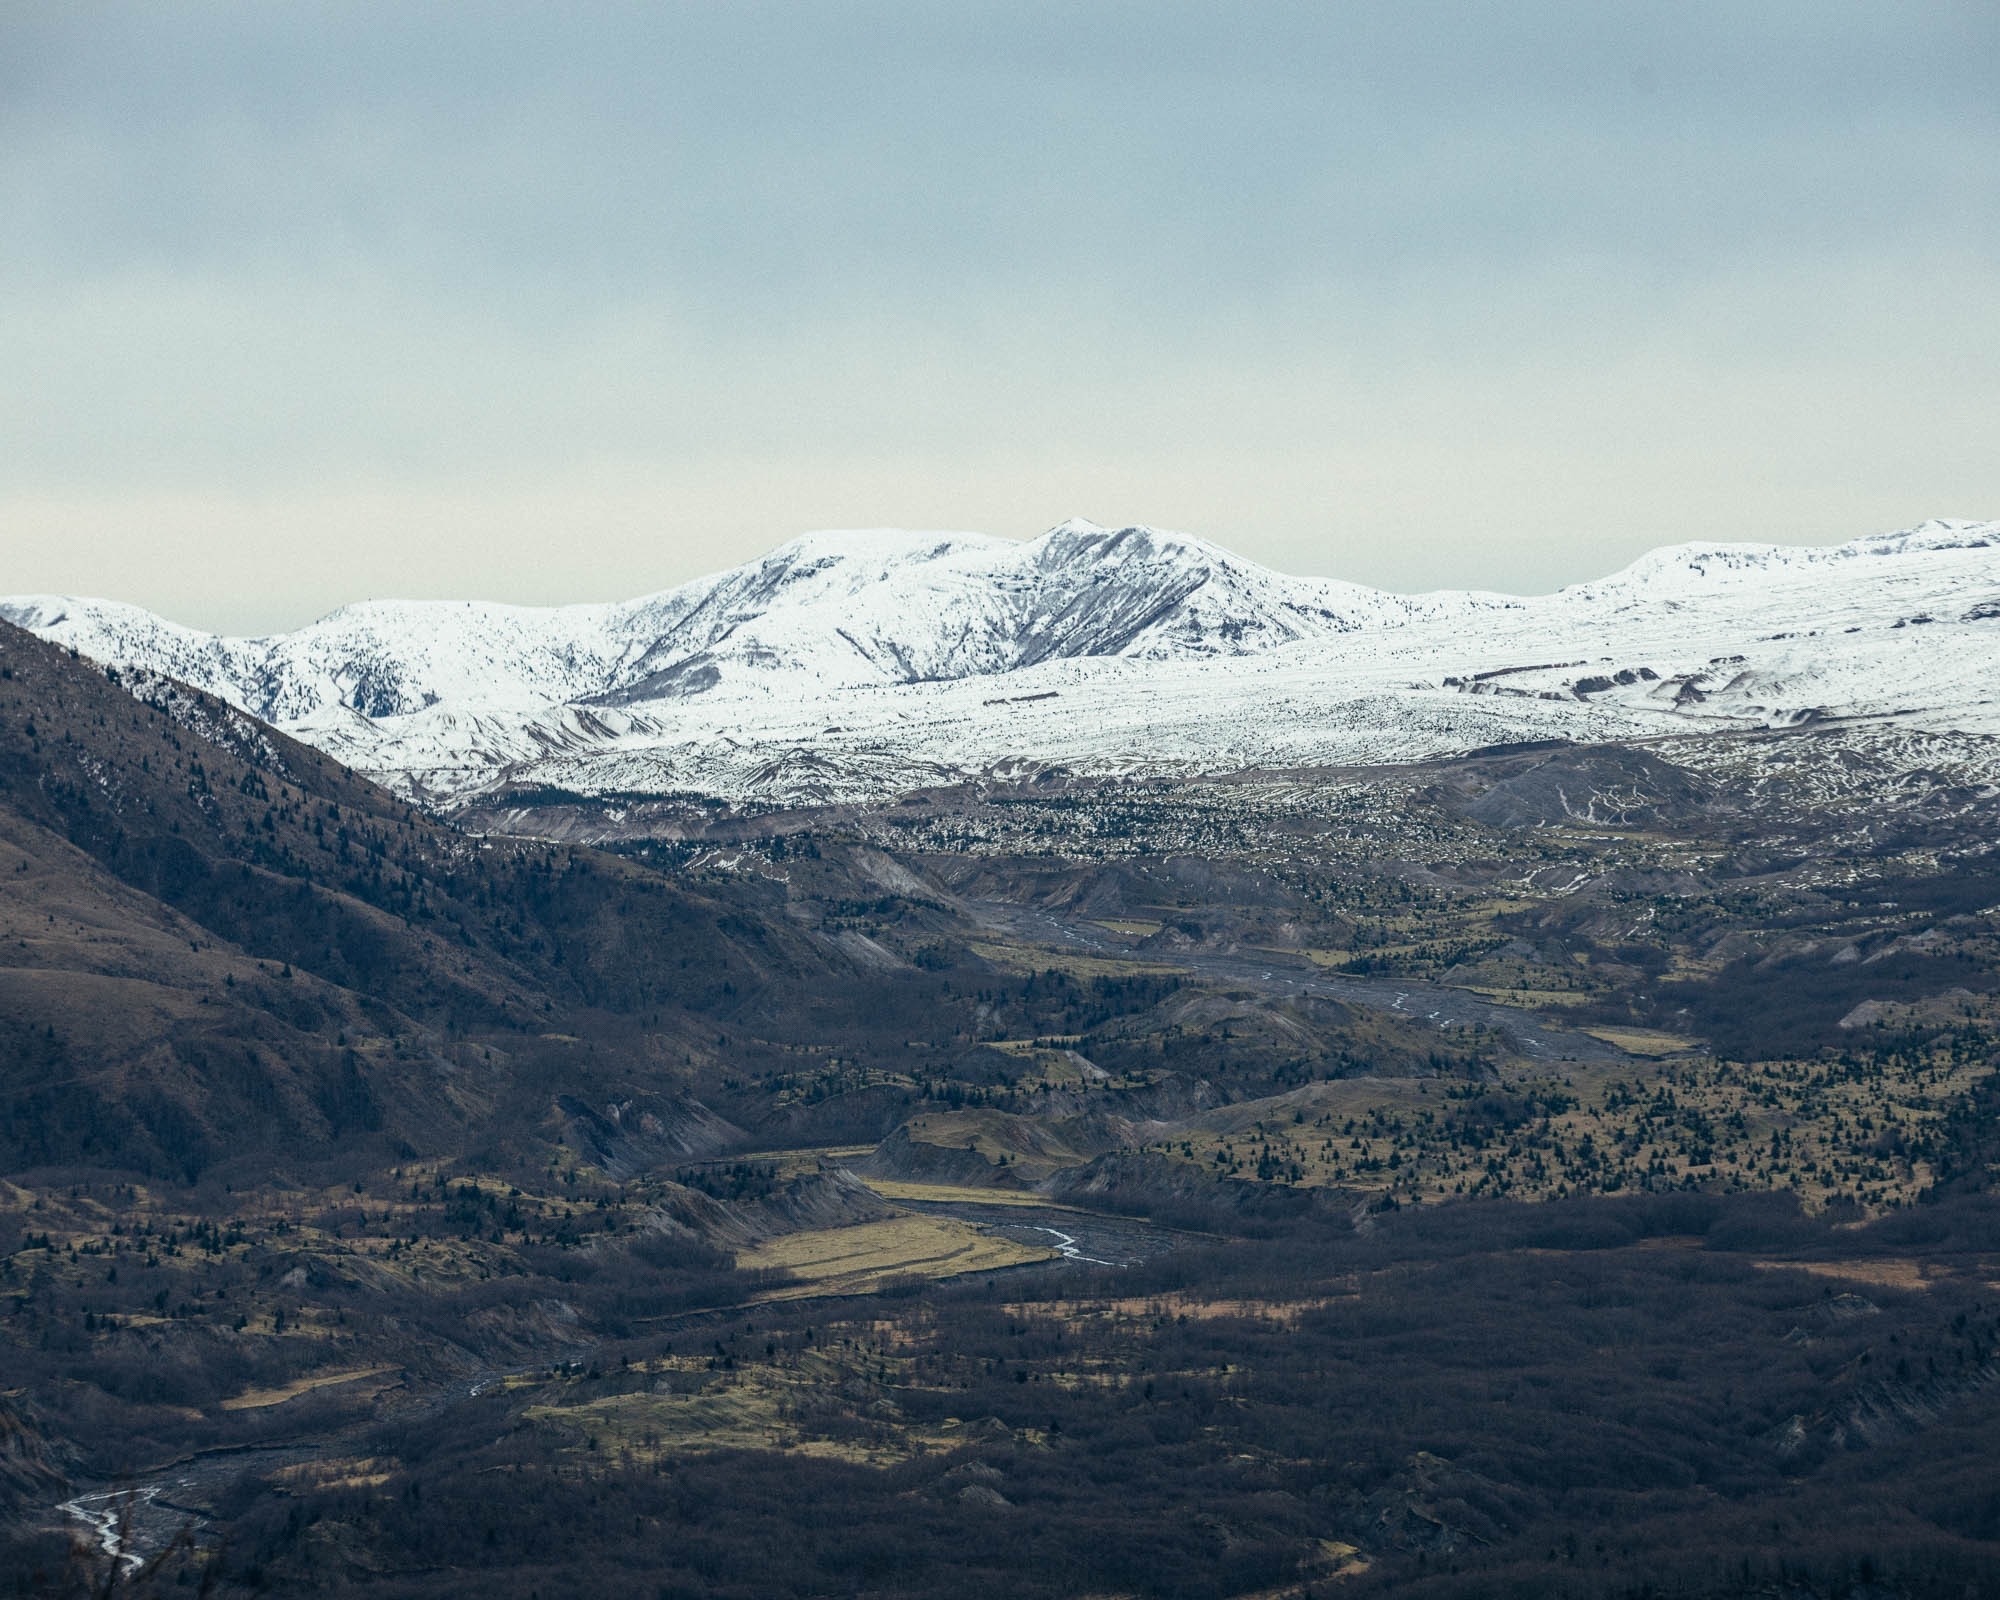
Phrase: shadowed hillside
x=213 y=938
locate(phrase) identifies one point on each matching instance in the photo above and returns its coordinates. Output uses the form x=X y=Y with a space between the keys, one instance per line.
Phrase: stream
x=113 y=1517
x=1081 y=1238
x=133 y=1522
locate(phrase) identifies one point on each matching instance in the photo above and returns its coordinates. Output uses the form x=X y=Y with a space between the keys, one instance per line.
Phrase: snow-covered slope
x=827 y=610
x=848 y=665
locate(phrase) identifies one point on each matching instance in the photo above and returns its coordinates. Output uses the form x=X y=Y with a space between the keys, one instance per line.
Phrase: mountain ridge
x=725 y=685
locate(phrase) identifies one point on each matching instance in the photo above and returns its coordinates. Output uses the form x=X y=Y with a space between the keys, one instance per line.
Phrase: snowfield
x=853 y=666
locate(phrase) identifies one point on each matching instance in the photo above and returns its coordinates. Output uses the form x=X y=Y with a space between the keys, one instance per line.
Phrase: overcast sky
x=305 y=303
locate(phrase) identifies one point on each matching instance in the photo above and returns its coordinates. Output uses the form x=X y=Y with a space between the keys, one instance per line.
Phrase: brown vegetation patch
x=255 y=1399
x=903 y=1189
x=864 y=1258
x=1892 y=1272
x=1178 y=1307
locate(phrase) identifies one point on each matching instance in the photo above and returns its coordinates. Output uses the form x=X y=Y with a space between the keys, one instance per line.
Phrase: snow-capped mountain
x=836 y=609
x=848 y=665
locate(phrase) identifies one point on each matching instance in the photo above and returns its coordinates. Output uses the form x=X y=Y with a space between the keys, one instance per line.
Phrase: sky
x=311 y=303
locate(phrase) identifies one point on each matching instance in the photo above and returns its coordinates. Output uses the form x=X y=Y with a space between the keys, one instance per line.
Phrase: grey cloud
x=292 y=251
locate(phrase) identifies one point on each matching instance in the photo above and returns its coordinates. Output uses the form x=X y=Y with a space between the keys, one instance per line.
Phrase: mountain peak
x=1080 y=542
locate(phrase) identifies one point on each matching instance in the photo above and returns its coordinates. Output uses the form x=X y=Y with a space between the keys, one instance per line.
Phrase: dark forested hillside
x=220 y=942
